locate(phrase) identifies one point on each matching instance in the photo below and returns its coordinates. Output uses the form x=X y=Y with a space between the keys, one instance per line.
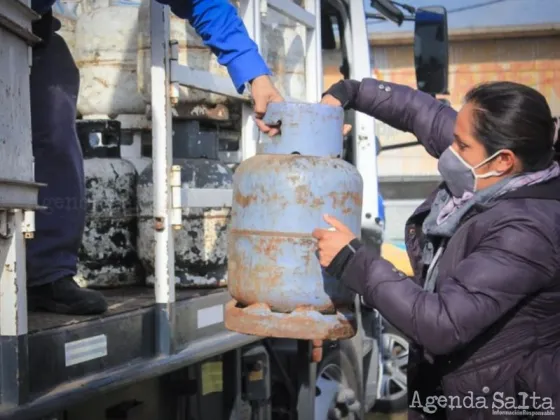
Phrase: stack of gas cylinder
x=111 y=45
x=110 y=42
x=262 y=246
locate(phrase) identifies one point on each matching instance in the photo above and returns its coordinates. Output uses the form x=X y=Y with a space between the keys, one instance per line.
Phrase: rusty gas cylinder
x=279 y=196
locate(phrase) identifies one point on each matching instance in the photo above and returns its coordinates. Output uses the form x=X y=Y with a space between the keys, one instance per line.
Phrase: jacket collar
x=549 y=190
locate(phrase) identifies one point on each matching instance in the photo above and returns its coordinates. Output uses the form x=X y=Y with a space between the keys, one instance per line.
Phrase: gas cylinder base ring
x=301 y=324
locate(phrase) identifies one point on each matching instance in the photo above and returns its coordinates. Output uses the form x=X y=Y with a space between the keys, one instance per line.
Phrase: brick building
x=528 y=54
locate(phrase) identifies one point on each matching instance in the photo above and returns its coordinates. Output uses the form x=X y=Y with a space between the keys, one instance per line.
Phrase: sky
x=464 y=14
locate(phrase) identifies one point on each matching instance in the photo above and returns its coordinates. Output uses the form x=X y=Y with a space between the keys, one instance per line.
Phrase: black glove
x=340 y=261
x=344 y=91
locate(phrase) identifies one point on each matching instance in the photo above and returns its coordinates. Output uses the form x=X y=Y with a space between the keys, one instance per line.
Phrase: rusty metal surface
x=107 y=256
x=278 y=201
x=279 y=198
x=301 y=324
x=201 y=244
x=111 y=46
x=306 y=130
x=218 y=112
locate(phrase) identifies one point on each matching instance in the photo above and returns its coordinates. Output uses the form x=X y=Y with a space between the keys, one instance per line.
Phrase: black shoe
x=64 y=296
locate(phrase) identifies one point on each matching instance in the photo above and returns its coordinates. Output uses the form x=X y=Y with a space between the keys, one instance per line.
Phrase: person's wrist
x=341 y=260
x=260 y=79
x=339 y=92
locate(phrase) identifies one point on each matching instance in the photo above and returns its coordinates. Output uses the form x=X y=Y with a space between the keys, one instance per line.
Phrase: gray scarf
x=447 y=212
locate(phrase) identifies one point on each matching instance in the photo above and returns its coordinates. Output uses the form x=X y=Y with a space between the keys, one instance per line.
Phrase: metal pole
x=14 y=385
x=364 y=147
x=314 y=54
x=307 y=373
x=232 y=384
x=347 y=47
x=162 y=161
x=250 y=12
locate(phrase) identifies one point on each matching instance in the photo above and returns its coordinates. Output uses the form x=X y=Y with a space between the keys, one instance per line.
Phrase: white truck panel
x=16 y=157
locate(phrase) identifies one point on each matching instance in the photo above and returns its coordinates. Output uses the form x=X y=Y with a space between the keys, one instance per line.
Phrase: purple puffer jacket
x=492 y=328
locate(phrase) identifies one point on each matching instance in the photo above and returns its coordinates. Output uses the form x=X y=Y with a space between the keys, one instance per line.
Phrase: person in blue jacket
x=52 y=255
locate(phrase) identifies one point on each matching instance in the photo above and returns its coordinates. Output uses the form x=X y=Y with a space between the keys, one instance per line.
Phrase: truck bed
x=73 y=357
x=120 y=300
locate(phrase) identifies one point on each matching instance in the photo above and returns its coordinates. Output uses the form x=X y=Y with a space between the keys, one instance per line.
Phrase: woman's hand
x=332 y=101
x=331 y=241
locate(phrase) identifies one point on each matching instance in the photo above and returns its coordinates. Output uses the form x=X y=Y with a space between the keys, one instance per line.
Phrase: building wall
x=532 y=61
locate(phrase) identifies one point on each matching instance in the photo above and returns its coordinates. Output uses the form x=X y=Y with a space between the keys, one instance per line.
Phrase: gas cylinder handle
x=307 y=129
x=275 y=112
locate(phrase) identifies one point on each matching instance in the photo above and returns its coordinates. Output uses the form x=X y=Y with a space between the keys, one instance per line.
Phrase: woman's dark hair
x=513 y=116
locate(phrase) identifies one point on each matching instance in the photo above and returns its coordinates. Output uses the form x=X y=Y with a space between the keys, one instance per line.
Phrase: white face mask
x=459 y=176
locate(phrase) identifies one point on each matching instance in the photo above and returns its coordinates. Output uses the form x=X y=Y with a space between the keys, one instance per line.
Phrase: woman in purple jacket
x=482 y=311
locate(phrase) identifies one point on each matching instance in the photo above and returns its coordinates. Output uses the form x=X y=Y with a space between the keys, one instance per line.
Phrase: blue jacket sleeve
x=42 y=6
x=221 y=29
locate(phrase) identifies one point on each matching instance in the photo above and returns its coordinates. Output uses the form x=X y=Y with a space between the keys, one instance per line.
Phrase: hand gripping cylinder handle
x=306 y=129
